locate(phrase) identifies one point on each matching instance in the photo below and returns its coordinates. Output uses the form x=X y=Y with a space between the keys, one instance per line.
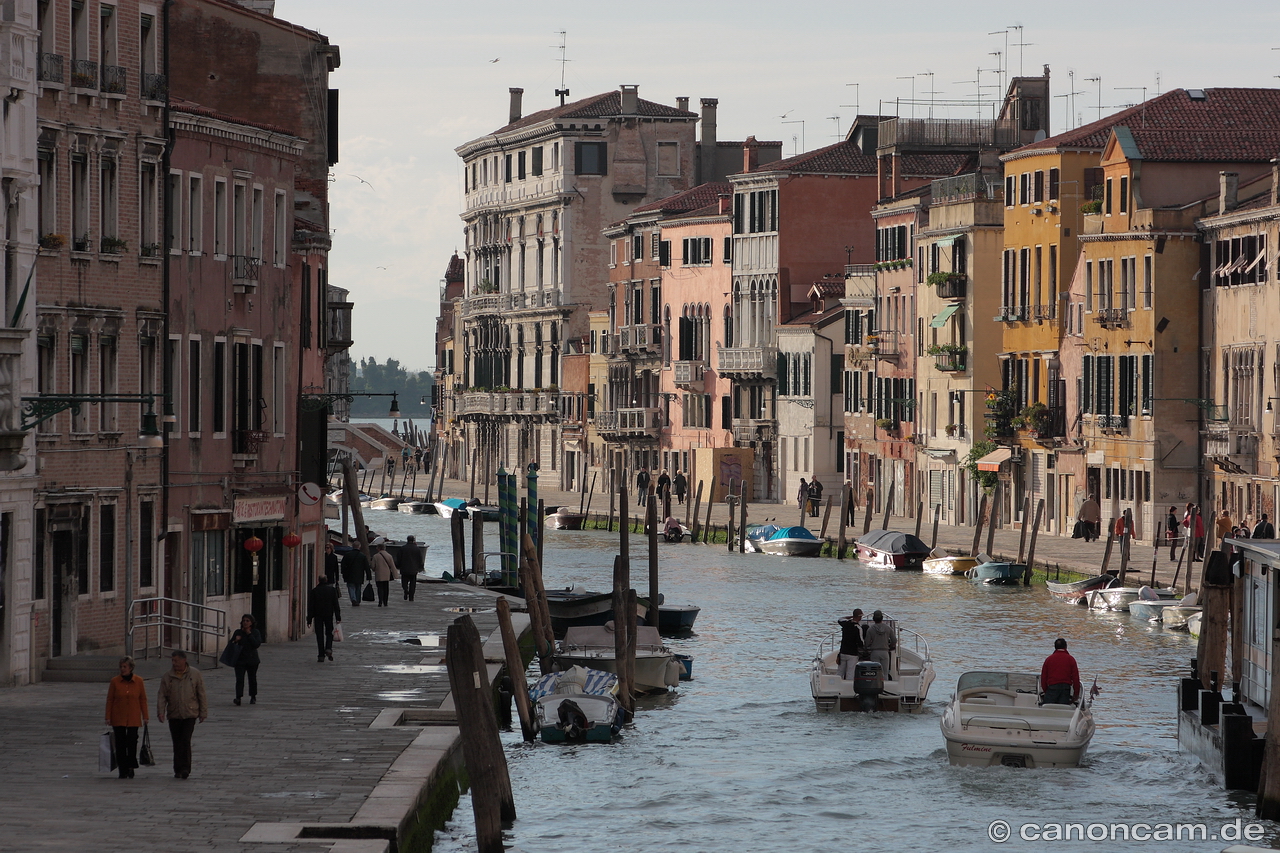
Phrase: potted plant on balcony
x=1035 y=419
x=1094 y=206
x=887 y=424
x=113 y=245
x=487 y=286
x=52 y=242
x=81 y=244
x=950 y=429
x=951 y=356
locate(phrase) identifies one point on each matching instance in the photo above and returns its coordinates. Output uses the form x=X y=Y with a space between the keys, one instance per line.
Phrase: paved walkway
x=305 y=753
x=1058 y=555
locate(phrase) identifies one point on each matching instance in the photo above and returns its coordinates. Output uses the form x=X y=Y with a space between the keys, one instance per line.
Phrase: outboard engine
x=868 y=683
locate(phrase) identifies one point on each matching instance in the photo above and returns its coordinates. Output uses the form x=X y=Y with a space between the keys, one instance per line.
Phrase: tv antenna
x=1020 y=44
x=836 y=119
x=1097 y=80
x=800 y=122
x=856 y=96
x=932 y=92
x=563 y=91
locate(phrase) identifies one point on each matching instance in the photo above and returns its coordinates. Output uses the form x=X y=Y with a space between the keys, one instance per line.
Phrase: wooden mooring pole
x=711 y=499
x=652 y=521
x=937 y=516
x=1031 y=552
x=919 y=516
x=697 y=505
x=515 y=670
x=846 y=495
x=977 y=527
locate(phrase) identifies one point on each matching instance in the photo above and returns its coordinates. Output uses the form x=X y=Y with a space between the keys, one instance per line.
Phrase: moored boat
x=577 y=705
x=414 y=507
x=903 y=688
x=791 y=542
x=592 y=646
x=1150 y=604
x=757 y=533
x=891 y=549
x=949 y=564
x=998 y=573
x=575 y=607
x=995 y=718
x=1118 y=598
x=1193 y=624
x=1177 y=615
x=1077 y=591
x=447 y=507
x=566 y=518
x=488 y=513
x=675 y=618
x=384 y=502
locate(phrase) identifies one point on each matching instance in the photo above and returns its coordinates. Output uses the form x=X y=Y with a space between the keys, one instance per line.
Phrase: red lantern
x=291 y=540
x=253 y=544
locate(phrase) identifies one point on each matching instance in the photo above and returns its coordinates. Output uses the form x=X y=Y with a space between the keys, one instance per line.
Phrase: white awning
x=947 y=241
x=993 y=460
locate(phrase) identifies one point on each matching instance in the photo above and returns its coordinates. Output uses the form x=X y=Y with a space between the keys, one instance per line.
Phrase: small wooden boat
x=1176 y=616
x=675 y=618
x=998 y=574
x=384 y=502
x=1150 y=603
x=447 y=507
x=949 y=564
x=996 y=719
x=791 y=542
x=891 y=549
x=578 y=608
x=1078 y=591
x=592 y=646
x=904 y=688
x=414 y=507
x=577 y=706
x=566 y=518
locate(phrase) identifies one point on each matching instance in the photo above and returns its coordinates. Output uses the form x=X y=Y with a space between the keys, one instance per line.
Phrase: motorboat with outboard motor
x=995 y=718
x=903 y=688
x=891 y=549
x=577 y=705
x=592 y=646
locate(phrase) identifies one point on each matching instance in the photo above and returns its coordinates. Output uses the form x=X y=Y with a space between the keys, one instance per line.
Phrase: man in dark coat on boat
x=1060 y=677
x=852 y=646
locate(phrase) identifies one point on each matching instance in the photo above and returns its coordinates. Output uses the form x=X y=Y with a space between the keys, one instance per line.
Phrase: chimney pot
x=750 y=154
x=1228 y=190
x=1275 y=182
x=682 y=102
x=517 y=96
x=707 y=166
x=630 y=100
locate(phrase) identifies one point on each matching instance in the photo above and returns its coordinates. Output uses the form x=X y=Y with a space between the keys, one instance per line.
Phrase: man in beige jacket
x=183 y=701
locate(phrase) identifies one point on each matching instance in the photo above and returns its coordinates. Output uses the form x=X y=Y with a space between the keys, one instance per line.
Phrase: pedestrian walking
x=384 y=571
x=815 y=497
x=182 y=699
x=1171 y=530
x=332 y=567
x=681 y=485
x=664 y=486
x=1264 y=529
x=409 y=563
x=248 y=637
x=324 y=608
x=802 y=496
x=1091 y=514
x=126 y=710
x=642 y=482
x=356 y=573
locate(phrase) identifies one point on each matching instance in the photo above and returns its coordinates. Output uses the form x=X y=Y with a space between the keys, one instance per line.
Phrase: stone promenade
x=313 y=750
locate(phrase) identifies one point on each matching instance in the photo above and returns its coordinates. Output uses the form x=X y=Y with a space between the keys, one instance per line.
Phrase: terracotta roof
x=709 y=210
x=191 y=107
x=703 y=195
x=847 y=158
x=598 y=106
x=1241 y=125
x=456 y=269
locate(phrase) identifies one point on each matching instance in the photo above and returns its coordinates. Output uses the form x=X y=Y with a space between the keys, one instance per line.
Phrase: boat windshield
x=1021 y=682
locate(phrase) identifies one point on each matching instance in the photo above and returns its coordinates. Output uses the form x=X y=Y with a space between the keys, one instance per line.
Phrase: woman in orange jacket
x=126 y=710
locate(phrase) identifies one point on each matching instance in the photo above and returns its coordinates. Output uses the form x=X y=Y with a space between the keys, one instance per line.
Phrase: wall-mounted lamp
x=37 y=410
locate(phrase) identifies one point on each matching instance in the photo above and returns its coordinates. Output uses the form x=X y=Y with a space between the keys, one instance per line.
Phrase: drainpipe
x=128 y=550
x=165 y=160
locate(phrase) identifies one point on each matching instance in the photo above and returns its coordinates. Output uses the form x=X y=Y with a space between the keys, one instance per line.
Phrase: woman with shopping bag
x=126 y=711
x=384 y=571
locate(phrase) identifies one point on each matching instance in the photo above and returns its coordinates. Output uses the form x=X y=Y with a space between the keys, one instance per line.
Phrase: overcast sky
x=419 y=78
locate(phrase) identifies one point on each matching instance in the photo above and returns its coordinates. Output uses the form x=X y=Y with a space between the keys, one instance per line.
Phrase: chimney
x=750 y=154
x=1228 y=187
x=1275 y=182
x=630 y=99
x=517 y=96
x=707 y=170
x=682 y=102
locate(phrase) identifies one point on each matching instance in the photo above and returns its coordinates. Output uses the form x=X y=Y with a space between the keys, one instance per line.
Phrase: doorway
x=65 y=584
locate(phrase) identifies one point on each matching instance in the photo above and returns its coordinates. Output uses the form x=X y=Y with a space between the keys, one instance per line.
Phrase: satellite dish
x=1040 y=135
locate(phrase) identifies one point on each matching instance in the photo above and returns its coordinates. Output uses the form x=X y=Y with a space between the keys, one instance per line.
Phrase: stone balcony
x=688 y=374
x=621 y=424
x=748 y=362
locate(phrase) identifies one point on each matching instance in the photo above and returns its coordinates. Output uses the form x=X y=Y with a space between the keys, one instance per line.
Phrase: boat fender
x=1146 y=593
x=671 y=676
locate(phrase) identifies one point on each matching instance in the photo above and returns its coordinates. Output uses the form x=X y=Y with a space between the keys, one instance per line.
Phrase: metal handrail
x=832 y=642
x=175 y=615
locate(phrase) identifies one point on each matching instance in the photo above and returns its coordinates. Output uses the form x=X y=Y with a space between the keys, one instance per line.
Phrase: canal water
x=740 y=760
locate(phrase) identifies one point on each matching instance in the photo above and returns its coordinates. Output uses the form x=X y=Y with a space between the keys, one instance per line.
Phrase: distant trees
x=386 y=378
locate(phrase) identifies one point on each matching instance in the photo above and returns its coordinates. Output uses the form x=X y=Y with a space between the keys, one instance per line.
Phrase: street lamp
x=313 y=399
x=37 y=410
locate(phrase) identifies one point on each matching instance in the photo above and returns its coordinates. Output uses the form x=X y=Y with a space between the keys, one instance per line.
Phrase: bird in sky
x=787 y=113
x=380 y=268
x=491 y=61
x=363 y=181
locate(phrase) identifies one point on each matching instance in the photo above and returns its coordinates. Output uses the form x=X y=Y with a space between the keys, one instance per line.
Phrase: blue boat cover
x=794 y=533
x=598 y=684
x=761 y=531
x=456 y=503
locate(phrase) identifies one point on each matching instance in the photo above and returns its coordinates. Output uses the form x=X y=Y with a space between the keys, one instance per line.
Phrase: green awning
x=947 y=241
x=943 y=316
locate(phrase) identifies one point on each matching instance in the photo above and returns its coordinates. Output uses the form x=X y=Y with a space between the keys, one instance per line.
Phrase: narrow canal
x=740 y=759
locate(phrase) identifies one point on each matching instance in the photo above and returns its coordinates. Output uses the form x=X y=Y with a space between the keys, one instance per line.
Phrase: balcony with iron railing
x=84 y=74
x=947 y=133
x=955 y=286
x=1236 y=443
x=953 y=361
x=155 y=87
x=886 y=343
x=114 y=80
x=1012 y=314
x=859 y=354
x=248 y=442
x=1111 y=318
x=50 y=69
x=970 y=186
x=244 y=271
x=1041 y=312
x=687 y=374
x=747 y=362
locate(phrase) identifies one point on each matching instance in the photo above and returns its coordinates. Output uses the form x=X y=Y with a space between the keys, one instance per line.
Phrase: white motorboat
x=447 y=507
x=1118 y=598
x=790 y=542
x=384 y=502
x=566 y=518
x=943 y=563
x=1150 y=605
x=577 y=705
x=1176 y=616
x=1193 y=624
x=904 y=687
x=995 y=718
x=592 y=646
x=414 y=507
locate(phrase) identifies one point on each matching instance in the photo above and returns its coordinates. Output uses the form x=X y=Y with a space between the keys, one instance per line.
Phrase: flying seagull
x=491 y=61
x=362 y=180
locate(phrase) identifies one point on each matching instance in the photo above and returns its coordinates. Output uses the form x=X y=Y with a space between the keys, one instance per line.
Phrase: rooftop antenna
x=800 y=122
x=977 y=83
x=856 y=96
x=1020 y=44
x=929 y=74
x=912 y=78
x=836 y=119
x=1157 y=84
x=563 y=91
x=1005 y=52
x=1097 y=80
x=1000 y=69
